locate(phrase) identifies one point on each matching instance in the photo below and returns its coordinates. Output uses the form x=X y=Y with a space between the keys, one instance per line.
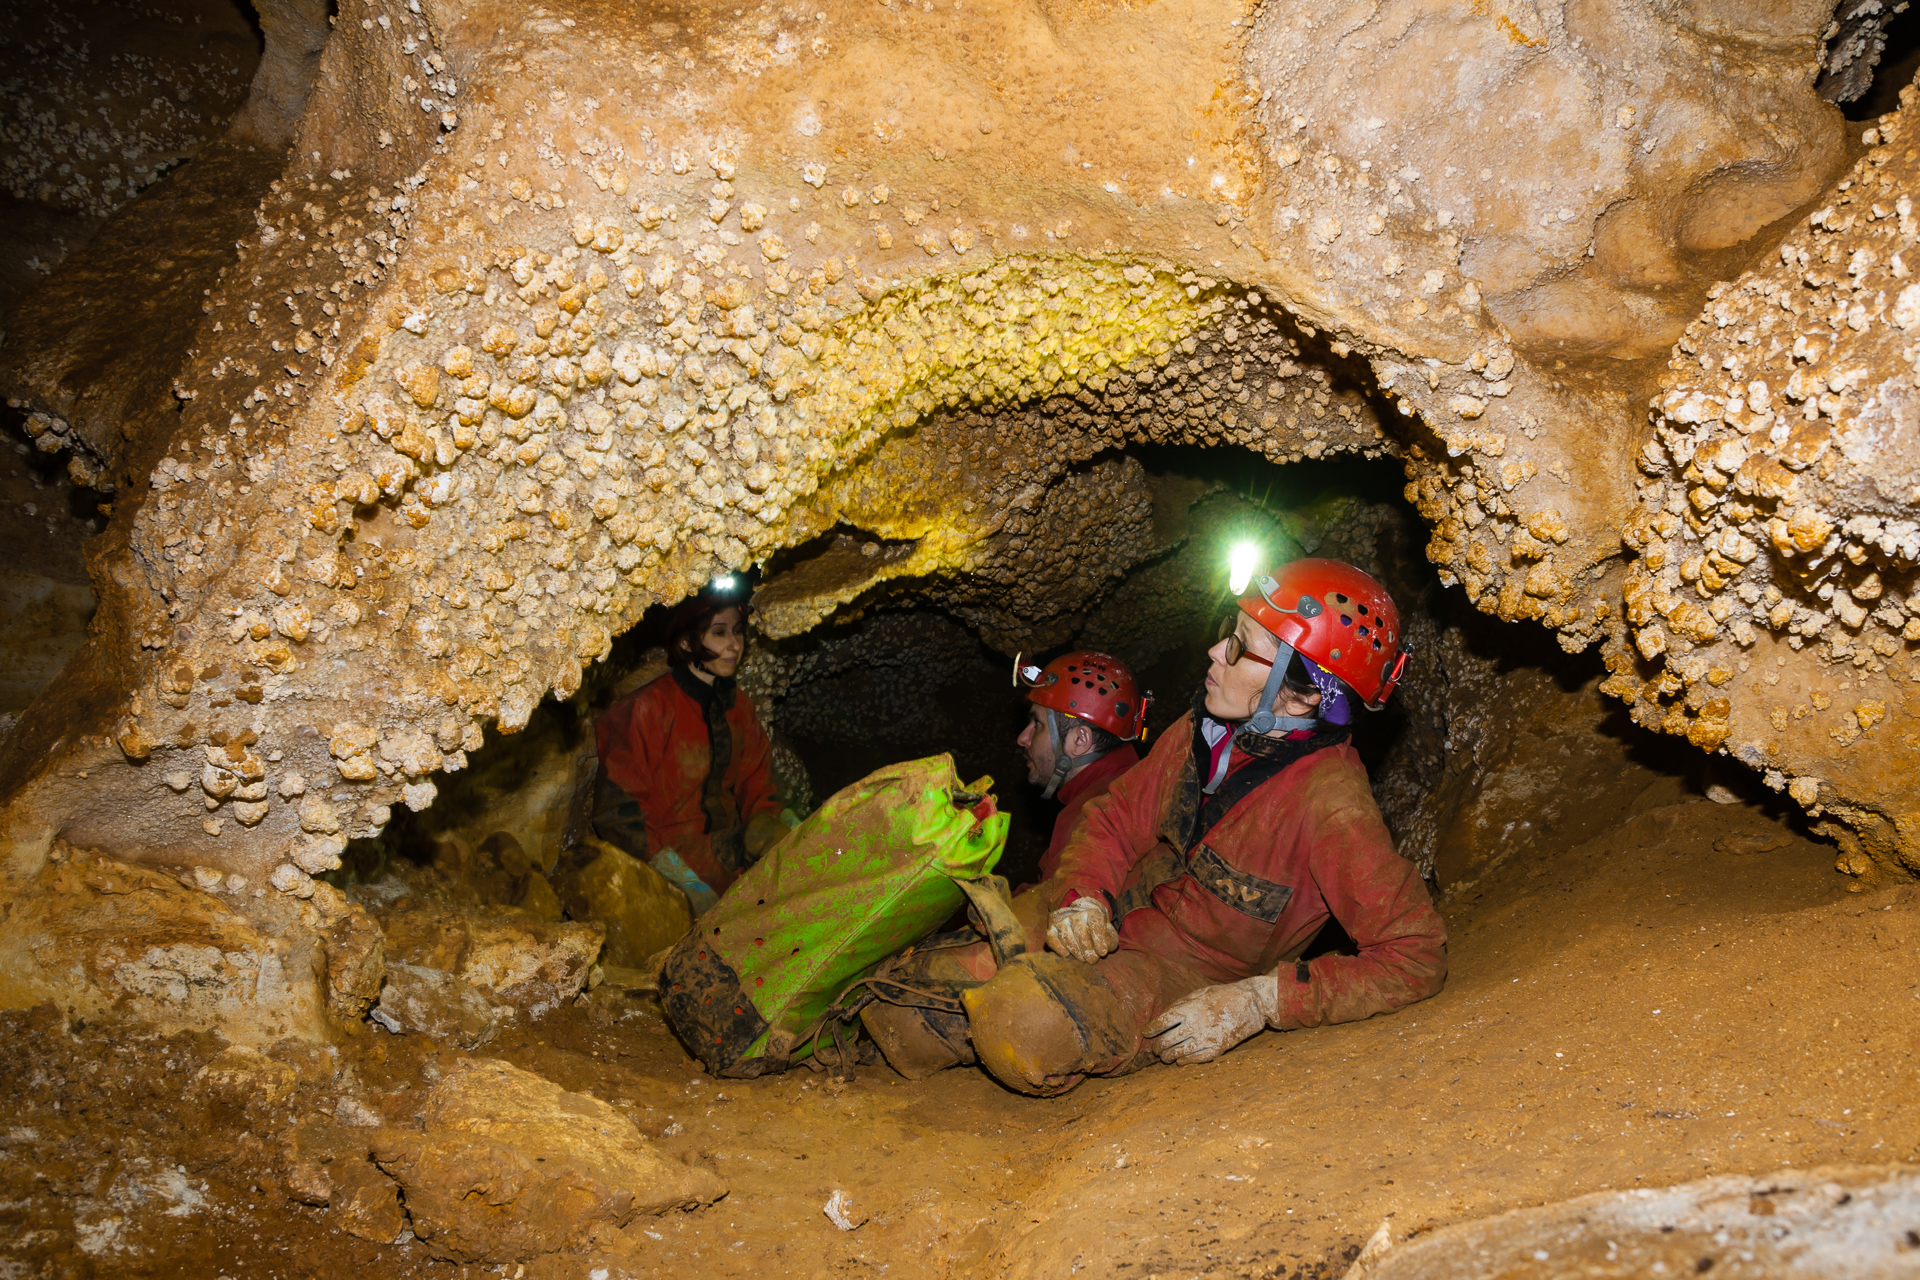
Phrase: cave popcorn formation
x=1773 y=598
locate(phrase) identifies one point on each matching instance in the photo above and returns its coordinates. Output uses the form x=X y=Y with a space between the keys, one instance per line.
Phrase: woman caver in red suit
x=685 y=783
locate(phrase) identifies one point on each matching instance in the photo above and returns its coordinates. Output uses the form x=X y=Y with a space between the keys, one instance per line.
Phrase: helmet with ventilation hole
x=1337 y=616
x=1090 y=686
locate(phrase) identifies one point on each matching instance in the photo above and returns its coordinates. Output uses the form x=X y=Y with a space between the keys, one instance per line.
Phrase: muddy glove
x=1082 y=931
x=700 y=895
x=1204 y=1025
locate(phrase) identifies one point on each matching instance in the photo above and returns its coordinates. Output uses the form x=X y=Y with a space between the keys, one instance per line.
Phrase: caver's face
x=1036 y=743
x=725 y=638
x=1233 y=689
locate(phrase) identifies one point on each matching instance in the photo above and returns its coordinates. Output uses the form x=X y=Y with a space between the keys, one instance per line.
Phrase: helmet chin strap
x=1063 y=764
x=1264 y=721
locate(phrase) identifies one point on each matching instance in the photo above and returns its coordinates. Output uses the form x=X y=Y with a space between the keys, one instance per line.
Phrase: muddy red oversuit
x=1076 y=792
x=692 y=762
x=1246 y=878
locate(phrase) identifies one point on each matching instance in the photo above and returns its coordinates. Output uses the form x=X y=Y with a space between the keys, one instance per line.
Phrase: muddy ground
x=1666 y=1000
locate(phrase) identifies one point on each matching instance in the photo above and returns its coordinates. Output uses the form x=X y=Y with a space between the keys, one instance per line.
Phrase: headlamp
x=1241 y=562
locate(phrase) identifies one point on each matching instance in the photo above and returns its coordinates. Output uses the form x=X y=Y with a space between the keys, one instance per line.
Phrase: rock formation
x=546 y=316
x=1773 y=605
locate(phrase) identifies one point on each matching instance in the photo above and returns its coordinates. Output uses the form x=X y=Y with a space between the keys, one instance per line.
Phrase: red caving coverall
x=657 y=745
x=1305 y=843
x=1075 y=793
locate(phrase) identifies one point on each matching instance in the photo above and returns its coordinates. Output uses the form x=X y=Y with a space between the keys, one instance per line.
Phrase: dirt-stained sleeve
x=625 y=754
x=1117 y=829
x=1379 y=898
x=756 y=765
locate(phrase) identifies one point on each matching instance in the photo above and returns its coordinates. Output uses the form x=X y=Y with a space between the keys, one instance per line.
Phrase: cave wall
x=1774 y=598
x=44 y=592
x=96 y=105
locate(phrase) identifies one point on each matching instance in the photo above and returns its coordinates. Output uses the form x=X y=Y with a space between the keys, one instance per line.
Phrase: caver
x=1086 y=712
x=685 y=780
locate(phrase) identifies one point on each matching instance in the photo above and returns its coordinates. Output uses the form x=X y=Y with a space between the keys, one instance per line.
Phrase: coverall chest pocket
x=1242 y=890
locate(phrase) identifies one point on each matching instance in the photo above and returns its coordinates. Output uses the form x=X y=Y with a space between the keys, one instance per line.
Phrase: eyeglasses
x=1236 y=647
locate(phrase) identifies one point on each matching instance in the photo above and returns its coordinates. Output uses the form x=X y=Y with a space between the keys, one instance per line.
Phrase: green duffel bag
x=880 y=865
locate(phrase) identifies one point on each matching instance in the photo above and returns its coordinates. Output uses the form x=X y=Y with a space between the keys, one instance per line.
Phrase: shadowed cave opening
x=45 y=521
x=892 y=675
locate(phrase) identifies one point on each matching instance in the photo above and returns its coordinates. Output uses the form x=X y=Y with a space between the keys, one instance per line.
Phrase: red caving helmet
x=1336 y=615
x=1095 y=687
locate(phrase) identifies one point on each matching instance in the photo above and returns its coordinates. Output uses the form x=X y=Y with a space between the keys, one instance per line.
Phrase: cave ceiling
x=534 y=318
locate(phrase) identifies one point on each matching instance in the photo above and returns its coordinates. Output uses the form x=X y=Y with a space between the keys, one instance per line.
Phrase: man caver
x=1085 y=713
x=1262 y=807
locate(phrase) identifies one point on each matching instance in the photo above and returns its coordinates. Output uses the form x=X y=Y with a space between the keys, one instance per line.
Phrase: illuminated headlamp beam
x=1241 y=562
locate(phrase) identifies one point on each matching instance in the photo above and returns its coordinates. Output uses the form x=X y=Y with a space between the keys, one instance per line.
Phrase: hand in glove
x=1204 y=1025
x=1082 y=931
x=700 y=895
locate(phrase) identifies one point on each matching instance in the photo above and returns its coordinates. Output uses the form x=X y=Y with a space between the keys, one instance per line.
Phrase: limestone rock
x=244 y=1076
x=330 y=1167
x=94 y=934
x=309 y=1182
x=1824 y=1224
x=538 y=899
x=510 y=1165
x=640 y=910
x=534 y=965
x=365 y=1202
x=356 y=962
x=435 y=1003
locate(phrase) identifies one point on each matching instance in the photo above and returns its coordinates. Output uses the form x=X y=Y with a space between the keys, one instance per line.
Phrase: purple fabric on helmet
x=1334 y=708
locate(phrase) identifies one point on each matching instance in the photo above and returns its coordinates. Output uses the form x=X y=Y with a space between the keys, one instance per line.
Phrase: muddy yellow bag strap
x=992 y=903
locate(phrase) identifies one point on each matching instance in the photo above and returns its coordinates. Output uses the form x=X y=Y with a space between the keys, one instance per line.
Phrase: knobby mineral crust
x=1773 y=603
x=552 y=315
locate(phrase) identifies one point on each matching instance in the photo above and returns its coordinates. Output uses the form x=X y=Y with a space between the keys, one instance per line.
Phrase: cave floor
x=1654 y=1005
